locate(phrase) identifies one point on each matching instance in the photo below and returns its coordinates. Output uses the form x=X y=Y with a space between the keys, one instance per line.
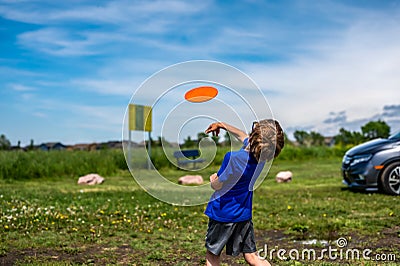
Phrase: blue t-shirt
x=233 y=202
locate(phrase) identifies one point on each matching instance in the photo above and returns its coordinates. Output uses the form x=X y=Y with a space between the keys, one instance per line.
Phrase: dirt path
x=387 y=242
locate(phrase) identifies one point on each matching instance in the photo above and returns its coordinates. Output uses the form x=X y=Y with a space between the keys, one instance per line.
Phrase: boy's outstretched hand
x=214 y=128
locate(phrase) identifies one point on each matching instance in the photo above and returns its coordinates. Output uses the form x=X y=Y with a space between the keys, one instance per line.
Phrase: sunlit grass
x=60 y=215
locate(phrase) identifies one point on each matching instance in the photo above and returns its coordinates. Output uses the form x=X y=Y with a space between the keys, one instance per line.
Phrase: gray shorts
x=237 y=237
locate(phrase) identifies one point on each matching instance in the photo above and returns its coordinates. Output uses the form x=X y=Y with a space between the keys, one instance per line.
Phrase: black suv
x=374 y=164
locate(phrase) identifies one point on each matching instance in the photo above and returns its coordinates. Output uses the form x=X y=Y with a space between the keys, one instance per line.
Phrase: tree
x=201 y=135
x=31 y=145
x=152 y=142
x=227 y=139
x=308 y=139
x=288 y=142
x=375 y=129
x=346 y=137
x=316 y=139
x=5 y=144
x=188 y=142
x=162 y=141
x=231 y=141
x=215 y=139
x=302 y=137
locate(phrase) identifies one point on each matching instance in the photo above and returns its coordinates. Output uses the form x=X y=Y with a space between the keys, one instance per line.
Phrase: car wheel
x=390 y=179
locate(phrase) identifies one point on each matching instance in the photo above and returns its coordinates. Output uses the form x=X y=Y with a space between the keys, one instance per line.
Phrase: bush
x=55 y=164
x=303 y=153
x=38 y=164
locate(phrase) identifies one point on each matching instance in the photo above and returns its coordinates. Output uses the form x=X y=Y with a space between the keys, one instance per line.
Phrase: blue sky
x=69 y=68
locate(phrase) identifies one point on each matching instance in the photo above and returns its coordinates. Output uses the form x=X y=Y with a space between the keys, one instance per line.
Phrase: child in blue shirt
x=230 y=207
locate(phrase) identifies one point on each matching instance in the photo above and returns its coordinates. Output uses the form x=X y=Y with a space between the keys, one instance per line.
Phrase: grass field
x=54 y=221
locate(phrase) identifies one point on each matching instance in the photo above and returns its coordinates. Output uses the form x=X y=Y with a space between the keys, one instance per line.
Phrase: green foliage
x=229 y=140
x=346 y=137
x=5 y=144
x=159 y=158
x=305 y=153
x=301 y=136
x=308 y=139
x=188 y=143
x=161 y=141
x=40 y=164
x=201 y=135
x=371 y=130
x=215 y=139
x=316 y=138
x=375 y=129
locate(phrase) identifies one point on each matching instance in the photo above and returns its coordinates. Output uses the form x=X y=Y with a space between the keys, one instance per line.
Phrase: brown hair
x=266 y=139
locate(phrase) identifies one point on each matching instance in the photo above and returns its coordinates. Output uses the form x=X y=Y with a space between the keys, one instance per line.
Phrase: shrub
x=54 y=164
x=38 y=164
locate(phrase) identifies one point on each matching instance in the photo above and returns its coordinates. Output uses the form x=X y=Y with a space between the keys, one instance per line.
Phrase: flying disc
x=201 y=94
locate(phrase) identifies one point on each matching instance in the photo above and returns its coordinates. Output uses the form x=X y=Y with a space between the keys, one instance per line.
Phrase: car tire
x=390 y=179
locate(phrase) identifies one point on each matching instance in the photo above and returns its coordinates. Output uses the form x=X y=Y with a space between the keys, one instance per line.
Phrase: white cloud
x=21 y=88
x=358 y=72
x=58 y=42
x=391 y=111
x=95 y=122
x=125 y=23
x=119 y=77
x=7 y=72
x=27 y=96
x=334 y=117
x=309 y=73
x=113 y=12
x=106 y=86
x=40 y=114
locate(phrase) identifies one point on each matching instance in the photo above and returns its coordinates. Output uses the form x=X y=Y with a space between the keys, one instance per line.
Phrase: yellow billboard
x=140 y=117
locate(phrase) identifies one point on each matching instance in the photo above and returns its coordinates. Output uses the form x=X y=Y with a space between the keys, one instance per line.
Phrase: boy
x=230 y=207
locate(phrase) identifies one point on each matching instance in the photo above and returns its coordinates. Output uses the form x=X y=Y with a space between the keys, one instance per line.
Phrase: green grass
x=17 y=165
x=52 y=221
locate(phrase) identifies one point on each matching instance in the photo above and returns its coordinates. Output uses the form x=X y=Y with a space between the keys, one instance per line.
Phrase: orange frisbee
x=201 y=94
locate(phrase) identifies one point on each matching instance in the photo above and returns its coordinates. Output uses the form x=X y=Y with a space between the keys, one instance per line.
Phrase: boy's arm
x=215 y=128
x=215 y=183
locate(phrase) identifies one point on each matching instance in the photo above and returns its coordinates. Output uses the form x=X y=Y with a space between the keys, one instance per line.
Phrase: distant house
x=132 y=144
x=84 y=147
x=114 y=145
x=79 y=147
x=52 y=146
x=17 y=148
x=329 y=141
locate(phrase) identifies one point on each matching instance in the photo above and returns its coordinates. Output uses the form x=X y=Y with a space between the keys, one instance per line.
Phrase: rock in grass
x=284 y=176
x=191 y=180
x=90 y=179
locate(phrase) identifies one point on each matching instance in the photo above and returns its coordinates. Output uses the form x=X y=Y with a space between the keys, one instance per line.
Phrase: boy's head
x=266 y=139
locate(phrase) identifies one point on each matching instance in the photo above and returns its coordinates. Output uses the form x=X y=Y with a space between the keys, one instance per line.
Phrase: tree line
x=371 y=130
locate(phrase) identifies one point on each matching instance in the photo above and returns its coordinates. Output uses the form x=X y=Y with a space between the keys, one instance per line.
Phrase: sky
x=68 y=69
